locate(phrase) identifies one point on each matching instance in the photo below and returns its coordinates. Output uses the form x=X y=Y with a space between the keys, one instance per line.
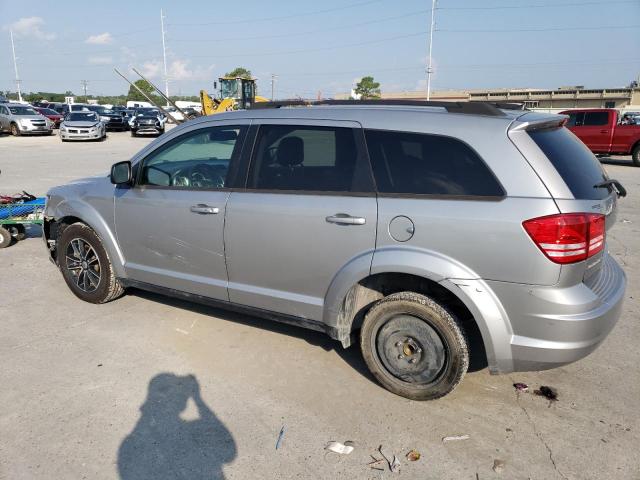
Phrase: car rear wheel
x=635 y=156
x=414 y=346
x=5 y=237
x=85 y=265
x=15 y=131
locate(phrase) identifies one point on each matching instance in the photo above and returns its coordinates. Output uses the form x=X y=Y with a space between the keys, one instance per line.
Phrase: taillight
x=568 y=237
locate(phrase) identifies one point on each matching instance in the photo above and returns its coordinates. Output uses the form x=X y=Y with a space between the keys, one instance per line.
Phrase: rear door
x=596 y=130
x=308 y=209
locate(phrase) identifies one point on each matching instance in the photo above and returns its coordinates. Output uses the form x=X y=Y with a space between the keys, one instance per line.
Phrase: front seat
x=287 y=172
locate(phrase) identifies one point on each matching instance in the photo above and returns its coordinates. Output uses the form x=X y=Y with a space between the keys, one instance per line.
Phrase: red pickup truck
x=601 y=131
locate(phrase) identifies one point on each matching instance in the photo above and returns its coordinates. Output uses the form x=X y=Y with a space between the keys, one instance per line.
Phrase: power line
x=540 y=5
x=282 y=17
x=552 y=29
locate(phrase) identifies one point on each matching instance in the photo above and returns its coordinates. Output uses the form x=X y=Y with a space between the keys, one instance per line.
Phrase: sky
x=321 y=47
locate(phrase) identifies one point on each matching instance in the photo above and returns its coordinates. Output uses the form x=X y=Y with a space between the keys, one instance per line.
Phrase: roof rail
x=476 y=108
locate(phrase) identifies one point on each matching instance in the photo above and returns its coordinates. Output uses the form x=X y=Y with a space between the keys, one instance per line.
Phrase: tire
x=412 y=336
x=17 y=231
x=133 y=134
x=635 y=156
x=15 y=131
x=5 y=237
x=80 y=265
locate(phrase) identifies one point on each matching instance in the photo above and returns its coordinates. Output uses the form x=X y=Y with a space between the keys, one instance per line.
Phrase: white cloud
x=30 y=27
x=177 y=70
x=97 y=60
x=100 y=39
x=152 y=69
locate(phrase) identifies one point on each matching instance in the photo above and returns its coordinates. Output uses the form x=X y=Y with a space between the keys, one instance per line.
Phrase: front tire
x=85 y=265
x=133 y=134
x=635 y=156
x=414 y=346
x=15 y=131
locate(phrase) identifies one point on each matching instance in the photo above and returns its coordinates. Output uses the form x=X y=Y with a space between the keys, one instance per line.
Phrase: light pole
x=164 y=55
x=273 y=82
x=430 y=65
x=15 y=66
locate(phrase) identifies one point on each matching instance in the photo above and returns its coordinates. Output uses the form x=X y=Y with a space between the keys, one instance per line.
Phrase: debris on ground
x=549 y=393
x=280 y=435
x=341 y=448
x=413 y=456
x=395 y=465
x=377 y=464
x=521 y=387
x=498 y=465
x=455 y=438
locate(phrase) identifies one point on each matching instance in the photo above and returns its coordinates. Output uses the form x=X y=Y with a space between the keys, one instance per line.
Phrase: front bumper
x=81 y=135
x=554 y=326
x=33 y=130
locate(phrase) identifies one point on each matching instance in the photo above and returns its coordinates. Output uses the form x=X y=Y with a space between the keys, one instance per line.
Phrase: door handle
x=604 y=131
x=346 y=219
x=204 y=209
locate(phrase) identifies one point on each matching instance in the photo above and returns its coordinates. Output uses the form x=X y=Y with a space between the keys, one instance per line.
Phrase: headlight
x=25 y=122
x=104 y=119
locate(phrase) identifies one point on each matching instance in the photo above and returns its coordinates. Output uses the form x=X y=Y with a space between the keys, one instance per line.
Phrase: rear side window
x=415 y=163
x=575 y=163
x=596 y=118
x=575 y=119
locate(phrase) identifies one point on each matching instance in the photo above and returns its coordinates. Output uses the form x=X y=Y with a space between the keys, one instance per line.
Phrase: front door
x=170 y=223
x=596 y=131
x=307 y=211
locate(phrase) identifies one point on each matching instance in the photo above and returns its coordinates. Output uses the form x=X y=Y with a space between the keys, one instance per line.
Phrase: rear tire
x=85 y=265
x=635 y=156
x=414 y=346
x=5 y=237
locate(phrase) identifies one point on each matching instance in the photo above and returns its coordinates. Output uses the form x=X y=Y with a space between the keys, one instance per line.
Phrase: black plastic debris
x=549 y=393
x=521 y=387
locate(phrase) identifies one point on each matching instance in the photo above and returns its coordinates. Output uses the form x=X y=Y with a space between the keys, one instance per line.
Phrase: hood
x=29 y=117
x=80 y=124
x=92 y=179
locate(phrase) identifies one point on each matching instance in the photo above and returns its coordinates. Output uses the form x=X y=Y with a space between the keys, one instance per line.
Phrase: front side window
x=307 y=158
x=596 y=118
x=421 y=164
x=196 y=160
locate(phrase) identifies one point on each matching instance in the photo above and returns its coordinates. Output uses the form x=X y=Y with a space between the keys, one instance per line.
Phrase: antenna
x=164 y=55
x=15 y=66
x=429 y=67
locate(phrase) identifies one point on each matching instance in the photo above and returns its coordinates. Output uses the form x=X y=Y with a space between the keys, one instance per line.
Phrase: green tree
x=146 y=87
x=239 y=72
x=367 y=87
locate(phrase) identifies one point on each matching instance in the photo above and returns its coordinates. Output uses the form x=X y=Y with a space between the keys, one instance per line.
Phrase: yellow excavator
x=235 y=93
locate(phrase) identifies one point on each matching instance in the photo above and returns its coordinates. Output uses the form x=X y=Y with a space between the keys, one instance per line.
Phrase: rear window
x=575 y=163
x=421 y=164
x=596 y=118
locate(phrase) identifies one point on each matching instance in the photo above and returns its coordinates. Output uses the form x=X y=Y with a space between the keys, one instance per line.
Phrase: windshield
x=96 y=108
x=48 y=111
x=147 y=111
x=23 y=111
x=82 y=117
x=230 y=88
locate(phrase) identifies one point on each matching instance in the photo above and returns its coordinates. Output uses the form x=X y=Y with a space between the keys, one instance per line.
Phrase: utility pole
x=273 y=82
x=164 y=56
x=15 y=66
x=84 y=84
x=430 y=65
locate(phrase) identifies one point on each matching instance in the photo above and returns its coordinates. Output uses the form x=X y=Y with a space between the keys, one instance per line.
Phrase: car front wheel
x=414 y=346
x=15 y=131
x=85 y=265
x=635 y=156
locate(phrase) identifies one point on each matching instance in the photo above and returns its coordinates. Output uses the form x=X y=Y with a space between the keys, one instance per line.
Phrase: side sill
x=211 y=302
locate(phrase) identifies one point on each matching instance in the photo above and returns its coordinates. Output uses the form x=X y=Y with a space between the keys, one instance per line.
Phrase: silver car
x=20 y=119
x=85 y=125
x=431 y=234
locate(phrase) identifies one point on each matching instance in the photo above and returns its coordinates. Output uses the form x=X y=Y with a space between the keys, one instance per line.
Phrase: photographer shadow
x=164 y=446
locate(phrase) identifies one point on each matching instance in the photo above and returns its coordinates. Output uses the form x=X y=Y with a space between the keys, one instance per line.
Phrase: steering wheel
x=199 y=176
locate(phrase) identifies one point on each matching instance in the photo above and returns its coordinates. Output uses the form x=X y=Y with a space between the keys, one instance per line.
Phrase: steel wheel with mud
x=414 y=346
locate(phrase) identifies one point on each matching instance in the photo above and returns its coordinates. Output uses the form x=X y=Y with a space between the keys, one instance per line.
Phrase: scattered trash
x=280 y=435
x=395 y=465
x=521 y=387
x=99 y=364
x=549 y=393
x=626 y=221
x=341 y=448
x=377 y=463
x=413 y=456
x=498 y=466
x=455 y=438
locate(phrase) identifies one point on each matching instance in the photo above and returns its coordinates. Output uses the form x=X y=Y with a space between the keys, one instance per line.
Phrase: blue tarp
x=21 y=209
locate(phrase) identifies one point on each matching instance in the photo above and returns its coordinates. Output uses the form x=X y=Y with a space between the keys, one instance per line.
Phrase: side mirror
x=121 y=173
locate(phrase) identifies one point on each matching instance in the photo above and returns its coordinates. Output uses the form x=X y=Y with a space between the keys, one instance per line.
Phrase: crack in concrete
x=540 y=437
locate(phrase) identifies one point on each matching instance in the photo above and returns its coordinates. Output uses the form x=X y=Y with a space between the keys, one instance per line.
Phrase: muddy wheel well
x=361 y=297
x=53 y=229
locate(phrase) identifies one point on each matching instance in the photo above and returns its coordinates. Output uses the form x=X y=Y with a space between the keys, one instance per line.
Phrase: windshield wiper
x=617 y=186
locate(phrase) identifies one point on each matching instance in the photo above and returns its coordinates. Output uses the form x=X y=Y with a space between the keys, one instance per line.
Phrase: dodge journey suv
x=429 y=233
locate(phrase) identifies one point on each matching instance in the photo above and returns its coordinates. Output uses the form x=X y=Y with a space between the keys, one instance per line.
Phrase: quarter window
x=196 y=160
x=423 y=164
x=306 y=158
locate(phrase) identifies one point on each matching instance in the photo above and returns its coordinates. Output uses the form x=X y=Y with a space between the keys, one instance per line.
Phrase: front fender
x=95 y=219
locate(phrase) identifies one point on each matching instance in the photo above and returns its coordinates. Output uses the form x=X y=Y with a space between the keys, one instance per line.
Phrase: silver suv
x=432 y=234
x=20 y=119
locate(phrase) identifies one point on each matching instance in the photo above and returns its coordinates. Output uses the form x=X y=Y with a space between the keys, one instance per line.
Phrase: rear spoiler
x=538 y=121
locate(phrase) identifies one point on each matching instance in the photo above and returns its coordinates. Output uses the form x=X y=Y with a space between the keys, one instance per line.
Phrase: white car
x=82 y=126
